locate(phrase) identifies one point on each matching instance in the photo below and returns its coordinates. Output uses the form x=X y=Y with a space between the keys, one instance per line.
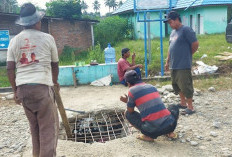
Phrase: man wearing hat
x=124 y=65
x=182 y=45
x=33 y=82
x=153 y=119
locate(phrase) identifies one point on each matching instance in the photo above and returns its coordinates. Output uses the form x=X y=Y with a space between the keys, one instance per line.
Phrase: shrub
x=68 y=9
x=112 y=30
x=68 y=56
x=95 y=53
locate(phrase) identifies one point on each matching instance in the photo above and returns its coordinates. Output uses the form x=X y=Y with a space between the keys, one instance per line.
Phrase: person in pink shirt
x=124 y=65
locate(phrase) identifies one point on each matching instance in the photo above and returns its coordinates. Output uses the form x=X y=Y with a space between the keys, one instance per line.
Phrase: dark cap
x=125 y=50
x=29 y=15
x=132 y=77
x=171 y=16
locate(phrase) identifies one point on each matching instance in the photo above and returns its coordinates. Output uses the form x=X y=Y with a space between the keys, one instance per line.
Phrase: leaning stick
x=62 y=112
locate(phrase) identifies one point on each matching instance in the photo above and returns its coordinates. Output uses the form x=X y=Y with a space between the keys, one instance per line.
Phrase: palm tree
x=108 y=3
x=96 y=6
x=113 y=4
x=84 y=6
x=120 y=3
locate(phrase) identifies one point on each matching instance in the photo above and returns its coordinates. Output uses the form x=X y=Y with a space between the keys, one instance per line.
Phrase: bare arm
x=55 y=73
x=11 y=74
x=195 y=46
x=133 y=59
x=134 y=67
x=125 y=100
x=167 y=62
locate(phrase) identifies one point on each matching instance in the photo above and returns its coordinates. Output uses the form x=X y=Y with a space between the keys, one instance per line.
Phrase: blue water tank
x=109 y=54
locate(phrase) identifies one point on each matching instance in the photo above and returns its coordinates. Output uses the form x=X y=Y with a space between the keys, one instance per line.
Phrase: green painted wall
x=154 y=26
x=204 y=20
x=139 y=26
x=213 y=19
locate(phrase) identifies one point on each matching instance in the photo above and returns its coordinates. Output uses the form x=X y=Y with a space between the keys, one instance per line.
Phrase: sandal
x=181 y=106
x=188 y=111
x=144 y=138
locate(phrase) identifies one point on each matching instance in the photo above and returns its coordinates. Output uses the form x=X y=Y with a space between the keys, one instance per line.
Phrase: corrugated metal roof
x=187 y=3
x=129 y=6
x=177 y=4
x=208 y=2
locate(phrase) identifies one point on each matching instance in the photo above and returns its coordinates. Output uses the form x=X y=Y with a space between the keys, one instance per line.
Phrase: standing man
x=124 y=65
x=33 y=83
x=182 y=45
x=153 y=119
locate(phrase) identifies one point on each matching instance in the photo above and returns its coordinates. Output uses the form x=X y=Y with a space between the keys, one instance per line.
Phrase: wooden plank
x=223 y=58
x=226 y=54
x=74 y=78
x=62 y=112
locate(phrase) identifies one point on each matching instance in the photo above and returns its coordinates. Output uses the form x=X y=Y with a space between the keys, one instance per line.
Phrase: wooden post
x=62 y=112
x=74 y=78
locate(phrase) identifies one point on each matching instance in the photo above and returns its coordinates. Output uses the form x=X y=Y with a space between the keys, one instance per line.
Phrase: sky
x=41 y=4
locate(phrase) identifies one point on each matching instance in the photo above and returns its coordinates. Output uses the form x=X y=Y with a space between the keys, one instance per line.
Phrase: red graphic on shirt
x=28 y=51
x=24 y=59
x=28 y=45
x=33 y=58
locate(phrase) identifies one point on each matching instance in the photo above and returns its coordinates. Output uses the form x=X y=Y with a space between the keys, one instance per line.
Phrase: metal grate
x=101 y=127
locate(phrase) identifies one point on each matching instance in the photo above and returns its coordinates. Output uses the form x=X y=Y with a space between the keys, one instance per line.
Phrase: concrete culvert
x=98 y=127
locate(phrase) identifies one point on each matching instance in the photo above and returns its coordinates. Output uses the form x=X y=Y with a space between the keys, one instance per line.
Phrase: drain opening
x=99 y=127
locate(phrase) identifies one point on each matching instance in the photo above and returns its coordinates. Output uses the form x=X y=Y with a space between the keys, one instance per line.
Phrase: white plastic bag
x=105 y=81
x=203 y=68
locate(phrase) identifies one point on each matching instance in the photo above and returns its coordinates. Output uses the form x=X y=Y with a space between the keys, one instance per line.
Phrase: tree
x=108 y=3
x=96 y=6
x=113 y=4
x=68 y=9
x=84 y=6
x=120 y=4
x=112 y=29
x=9 y=6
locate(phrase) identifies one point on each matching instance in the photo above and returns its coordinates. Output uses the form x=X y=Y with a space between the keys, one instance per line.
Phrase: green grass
x=220 y=83
x=211 y=45
x=3 y=78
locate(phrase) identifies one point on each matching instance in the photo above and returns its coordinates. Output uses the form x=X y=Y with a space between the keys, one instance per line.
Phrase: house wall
x=213 y=19
x=76 y=34
x=139 y=26
x=154 y=26
x=205 y=20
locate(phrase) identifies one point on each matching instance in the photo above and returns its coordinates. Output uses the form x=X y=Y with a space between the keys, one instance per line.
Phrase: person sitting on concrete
x=153 y=118
x=124 y=65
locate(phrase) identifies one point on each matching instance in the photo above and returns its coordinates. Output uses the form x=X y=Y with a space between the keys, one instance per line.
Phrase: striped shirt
x=147 y=99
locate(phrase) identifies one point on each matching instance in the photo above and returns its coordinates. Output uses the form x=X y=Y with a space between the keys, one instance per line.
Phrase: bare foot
x=144 y=138
x=172 y=135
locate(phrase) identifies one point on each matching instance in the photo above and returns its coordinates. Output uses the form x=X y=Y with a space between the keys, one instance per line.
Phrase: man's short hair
x=125 y=50
x=172 y=15
x=132 y=77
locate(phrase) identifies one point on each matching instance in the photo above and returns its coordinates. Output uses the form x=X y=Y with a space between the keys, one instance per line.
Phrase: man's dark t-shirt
x=180 y=50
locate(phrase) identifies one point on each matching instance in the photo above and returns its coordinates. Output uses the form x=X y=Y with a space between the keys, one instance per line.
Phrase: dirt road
x=206 y=133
